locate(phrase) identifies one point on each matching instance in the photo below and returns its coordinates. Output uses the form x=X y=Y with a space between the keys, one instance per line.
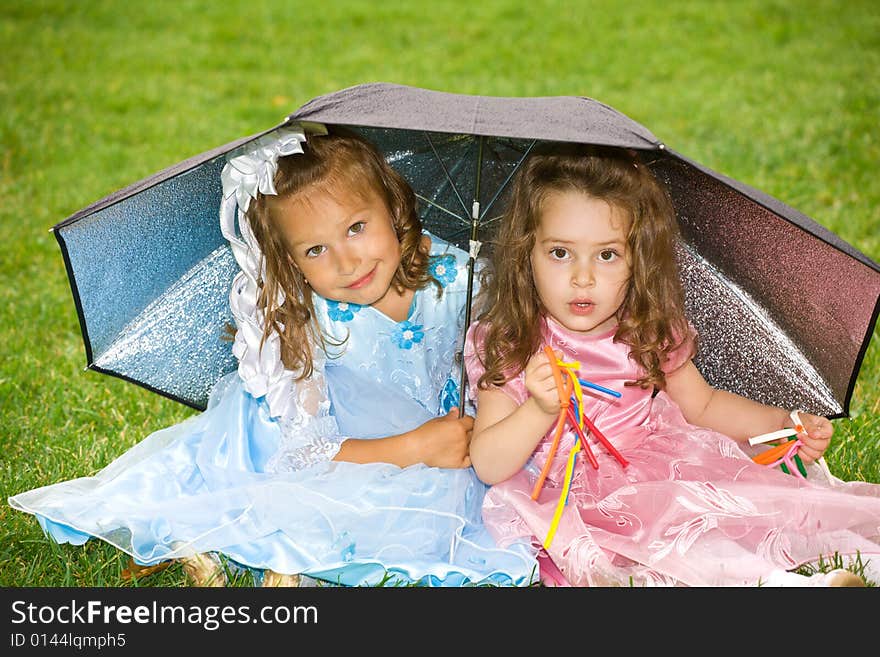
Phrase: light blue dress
x=267 y=495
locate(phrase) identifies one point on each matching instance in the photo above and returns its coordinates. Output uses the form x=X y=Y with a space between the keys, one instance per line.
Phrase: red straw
x=583 y=438
x=602 y=439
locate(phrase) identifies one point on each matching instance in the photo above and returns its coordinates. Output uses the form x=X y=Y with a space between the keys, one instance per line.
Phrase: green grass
x=97 y=95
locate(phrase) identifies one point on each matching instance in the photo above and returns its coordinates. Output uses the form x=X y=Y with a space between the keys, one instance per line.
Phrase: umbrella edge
x=156 y=179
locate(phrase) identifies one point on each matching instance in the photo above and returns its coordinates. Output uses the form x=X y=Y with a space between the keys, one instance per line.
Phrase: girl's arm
x=441 y=443
x=506 y=434
x=739 y=417
x=310 y=434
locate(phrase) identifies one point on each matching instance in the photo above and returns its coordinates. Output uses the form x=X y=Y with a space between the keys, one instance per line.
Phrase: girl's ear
x=424 y=245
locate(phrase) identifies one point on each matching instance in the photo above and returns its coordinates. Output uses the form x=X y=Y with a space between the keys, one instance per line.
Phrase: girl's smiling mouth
x=364 y=280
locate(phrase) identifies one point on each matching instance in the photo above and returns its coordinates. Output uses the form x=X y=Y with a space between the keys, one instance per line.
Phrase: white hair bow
x=250 y=170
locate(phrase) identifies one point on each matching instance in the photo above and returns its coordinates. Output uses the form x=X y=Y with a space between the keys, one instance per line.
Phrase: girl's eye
x=315 y=251
x=558 y=253
x=357 y=227
x=607 y=255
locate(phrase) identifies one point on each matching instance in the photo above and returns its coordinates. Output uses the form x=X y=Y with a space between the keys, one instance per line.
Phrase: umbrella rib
x=446 y=173
x=491 y=219
x=508 y=179
x=438 y=206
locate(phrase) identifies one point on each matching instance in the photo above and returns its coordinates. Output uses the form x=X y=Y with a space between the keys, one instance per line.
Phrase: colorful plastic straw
x=595 y=386
x=785 y=455
x=570 y=393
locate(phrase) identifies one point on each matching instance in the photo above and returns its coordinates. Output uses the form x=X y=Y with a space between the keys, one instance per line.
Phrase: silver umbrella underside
x=150 y=271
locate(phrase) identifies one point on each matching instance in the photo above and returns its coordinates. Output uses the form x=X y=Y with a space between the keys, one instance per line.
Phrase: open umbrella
x=150 y=270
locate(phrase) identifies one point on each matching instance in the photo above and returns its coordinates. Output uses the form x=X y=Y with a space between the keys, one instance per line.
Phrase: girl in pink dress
x=585 y=264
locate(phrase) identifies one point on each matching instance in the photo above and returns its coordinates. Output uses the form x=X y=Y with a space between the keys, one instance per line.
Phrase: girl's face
x=579 y=261
x=344 y=244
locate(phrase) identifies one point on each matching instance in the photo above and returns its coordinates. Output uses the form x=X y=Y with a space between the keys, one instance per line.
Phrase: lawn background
x=96 y=95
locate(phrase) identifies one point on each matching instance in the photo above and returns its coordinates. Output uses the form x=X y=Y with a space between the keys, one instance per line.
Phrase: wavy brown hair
x=651 y=319
x=340 y=160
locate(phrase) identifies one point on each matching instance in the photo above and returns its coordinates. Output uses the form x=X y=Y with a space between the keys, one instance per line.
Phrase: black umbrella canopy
x=150 y=271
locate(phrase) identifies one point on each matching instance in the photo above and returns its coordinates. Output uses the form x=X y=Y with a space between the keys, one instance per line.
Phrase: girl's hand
x=444 y=442
x=817 y=437
x=541 y=384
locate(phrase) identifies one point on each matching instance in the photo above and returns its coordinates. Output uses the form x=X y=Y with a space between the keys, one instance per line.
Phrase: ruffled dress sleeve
x=683 y=353
x=309 y=432
x=473 y=347
x=300 y=408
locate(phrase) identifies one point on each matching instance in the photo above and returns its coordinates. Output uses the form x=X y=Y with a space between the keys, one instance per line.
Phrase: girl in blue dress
x=336 y=450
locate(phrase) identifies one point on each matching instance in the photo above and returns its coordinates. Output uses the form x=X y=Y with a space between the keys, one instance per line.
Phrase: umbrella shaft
x=467 y=322
x=475 y=218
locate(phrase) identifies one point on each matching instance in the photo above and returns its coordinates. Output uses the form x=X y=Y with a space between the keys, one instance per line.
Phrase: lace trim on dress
x=309 y=433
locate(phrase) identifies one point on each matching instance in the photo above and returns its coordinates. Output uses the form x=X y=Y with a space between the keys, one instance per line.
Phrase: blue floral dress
x=267 y=494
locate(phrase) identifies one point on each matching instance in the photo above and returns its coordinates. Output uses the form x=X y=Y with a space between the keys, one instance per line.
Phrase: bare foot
x=204 y=571
x=273 y=579
x=841 y=577
x=136 y=571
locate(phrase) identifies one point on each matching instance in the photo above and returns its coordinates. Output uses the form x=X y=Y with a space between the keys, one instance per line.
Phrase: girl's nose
x=582 y=276
x=347 y=261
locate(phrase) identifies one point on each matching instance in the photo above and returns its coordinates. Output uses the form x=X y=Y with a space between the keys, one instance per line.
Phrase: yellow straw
x=569 y=466
x=578 y=390
x=560 y=505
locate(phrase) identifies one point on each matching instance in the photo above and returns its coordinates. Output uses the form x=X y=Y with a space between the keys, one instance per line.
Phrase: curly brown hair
x=651 y=319
x=340 y=160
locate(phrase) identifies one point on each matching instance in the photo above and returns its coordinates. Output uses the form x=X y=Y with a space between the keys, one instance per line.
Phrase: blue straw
x=595 y=386
x=574 y=465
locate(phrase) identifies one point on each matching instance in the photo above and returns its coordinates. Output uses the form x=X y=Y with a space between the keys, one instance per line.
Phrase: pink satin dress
x=691 y=508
